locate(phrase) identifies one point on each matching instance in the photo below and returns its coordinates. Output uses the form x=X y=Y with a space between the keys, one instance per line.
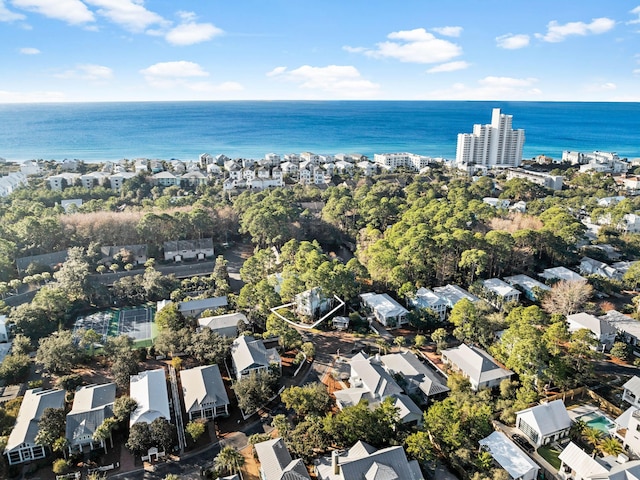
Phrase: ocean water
x=183 y=130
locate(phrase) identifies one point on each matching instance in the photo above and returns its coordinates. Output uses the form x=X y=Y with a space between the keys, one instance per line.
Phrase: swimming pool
x=598 y=421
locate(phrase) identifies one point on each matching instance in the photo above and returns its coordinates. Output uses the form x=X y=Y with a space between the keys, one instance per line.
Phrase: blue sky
x=135 y=50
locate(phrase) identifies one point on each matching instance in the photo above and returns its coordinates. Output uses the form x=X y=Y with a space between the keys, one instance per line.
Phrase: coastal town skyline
x=130 y=50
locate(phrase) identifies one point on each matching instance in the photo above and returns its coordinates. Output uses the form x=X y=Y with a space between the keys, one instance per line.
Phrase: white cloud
x=7 y=15
x=354 y=49
x=448 y=31
x=558 y=33
x=490 y=88
x=190 y=32
x=512 y=42
x=601 y=87
x=341 y=80
x=449 y=67
x=635 y=11
x=71 y=11
x=636 y=71
x=29 y=51
x=31 y=97
x=130 y=14
x=90 y=72
x=183 y=74
x=413 y=46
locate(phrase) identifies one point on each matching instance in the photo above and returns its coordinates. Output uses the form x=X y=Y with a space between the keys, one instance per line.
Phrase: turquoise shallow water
x=111 y=131
x=599 y=422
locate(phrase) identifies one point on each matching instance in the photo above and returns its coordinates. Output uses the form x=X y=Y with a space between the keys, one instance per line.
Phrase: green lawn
x=550 y=455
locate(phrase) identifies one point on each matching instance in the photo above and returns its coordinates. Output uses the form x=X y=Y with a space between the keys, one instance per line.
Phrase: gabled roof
x=526 y=282
x=33 y=405
x=622 y=322
x=276 y=462
x=561 y=273
x=547 y=418
x=425 y=298
x=149 y=389
x=453 y=294
x=623 y=420
x=597 y=325
x=633 y=385
x=374 y=378
x=202 y=385
x=410 y=367
x=582 y=463
x=92 y=404
x=477 y=364
x=383 y=304
x=500 y=287
x=248 y=352
x=203 y=304
x=394 y=460
x=199 y=244
x=223 y=321
x=508 y=455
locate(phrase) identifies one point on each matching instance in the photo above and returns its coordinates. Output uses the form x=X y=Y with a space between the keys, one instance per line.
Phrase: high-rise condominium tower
x=495 y=145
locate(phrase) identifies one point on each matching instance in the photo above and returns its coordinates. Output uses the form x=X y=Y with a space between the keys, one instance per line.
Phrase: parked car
x=523 y=443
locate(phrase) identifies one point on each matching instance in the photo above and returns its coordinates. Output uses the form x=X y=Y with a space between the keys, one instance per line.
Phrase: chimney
x=334 y=462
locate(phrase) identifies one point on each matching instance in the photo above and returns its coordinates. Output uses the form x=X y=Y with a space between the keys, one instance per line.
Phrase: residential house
x=21 y=445
x=627 y=327
x=10 y=183
x=589 y=266
x=276 y=462
x=562 y=273
x=165 y=179
x=224 y=325
x=417 y=378
x=193 y=308
x=362 y=461
x=601 y=329
x=501 y=292
x=385 y=309
x=93 y=179
x=477 y=365
x=509 y=456
x=576 y=464
x=545 y=423
x=51 y=260
x=371 y=382
x=62 y=180
x=554 y=182
x=497 y=202
x=71 y=205
x=204 y=393
x=116 y=181
x=134 y=254
x=631 y=392
x=4 y=334
x=530 y=287
x=628 y=428
x=250 y=355
x=368 y=168
x=92 y=405
x=427 y=299
x=180 y=250
x=193 y=179
x=149 y=390
x=453 y=294
x=312 y=303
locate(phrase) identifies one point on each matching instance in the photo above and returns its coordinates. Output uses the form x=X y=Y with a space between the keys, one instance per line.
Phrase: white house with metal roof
x=562 y=273
x=601 y=329
x=149 y=390
x=453 y=294
x=225 y=325
x=509 y=456
x=626 y=326
x=21 y=445
x=362 y=461
x=276 y=462
x=204 y=393
x=544 y=423
x=250 y=355
x=529 y=286
x=92 y=405
x=427 y=299
x=631 y=393
x=579 y=465
x=501 y=292
x=385 y=309
x=477 y=365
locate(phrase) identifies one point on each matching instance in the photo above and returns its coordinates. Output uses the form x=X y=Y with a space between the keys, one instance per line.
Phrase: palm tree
x=592 y=436
x=610 y=446
x=383 y=346
x=229 y=460
x=399 y=341
x=577 y=427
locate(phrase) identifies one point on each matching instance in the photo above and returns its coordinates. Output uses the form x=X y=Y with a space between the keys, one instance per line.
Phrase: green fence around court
x=114 y=323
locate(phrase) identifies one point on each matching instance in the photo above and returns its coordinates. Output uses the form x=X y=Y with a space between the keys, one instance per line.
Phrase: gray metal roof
x=410 y=367
x=248 y=352
x=203 y=385
x=276 y=462
x=33 y=405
